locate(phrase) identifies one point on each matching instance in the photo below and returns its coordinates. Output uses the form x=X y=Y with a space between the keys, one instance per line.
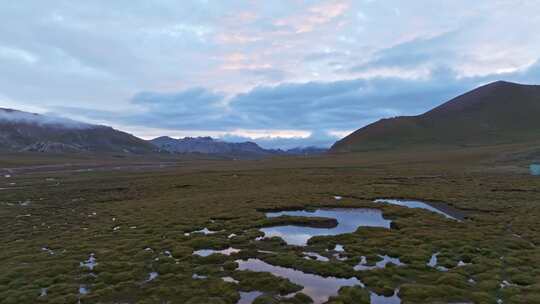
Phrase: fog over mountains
x=497 y=113
x=23 y=131
x=20 y=117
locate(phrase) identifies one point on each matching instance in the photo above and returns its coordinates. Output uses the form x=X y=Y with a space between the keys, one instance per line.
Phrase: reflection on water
x=152 y=276
x=317 y=287
x=315 y=256
x=462 y=264
x=422 y=205
x=230 y=280
x=207 y=252
x=380 y=264
x=535 y=169
x=204 y=231
x=433 y=261
x=198 y=277
x=376 y=299
x=348 y=221
x=248 y=297
x=83 y=290
x=91 y=263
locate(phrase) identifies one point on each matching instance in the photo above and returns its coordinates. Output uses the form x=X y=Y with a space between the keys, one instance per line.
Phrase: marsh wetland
x=274 y=231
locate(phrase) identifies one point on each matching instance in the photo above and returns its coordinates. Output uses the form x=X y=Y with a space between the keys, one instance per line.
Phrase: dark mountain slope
x=206 y=145
x=497 y=113
x=22 y=131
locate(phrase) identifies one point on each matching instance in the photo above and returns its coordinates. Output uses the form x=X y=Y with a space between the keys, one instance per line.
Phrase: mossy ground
x=116 y=214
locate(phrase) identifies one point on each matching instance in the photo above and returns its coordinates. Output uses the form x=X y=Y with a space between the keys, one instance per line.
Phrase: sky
x=280 y=73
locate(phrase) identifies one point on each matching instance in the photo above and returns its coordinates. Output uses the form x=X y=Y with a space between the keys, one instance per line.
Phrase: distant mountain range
x=497 y=113
x=208 y=145
x=23 y=131
x=205 y=145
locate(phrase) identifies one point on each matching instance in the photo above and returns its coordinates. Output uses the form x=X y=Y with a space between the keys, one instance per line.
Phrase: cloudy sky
x=284 y=73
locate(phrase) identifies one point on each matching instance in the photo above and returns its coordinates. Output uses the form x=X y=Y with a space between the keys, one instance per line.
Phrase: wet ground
x=348 y=220
x=129 y=236
x=318 y=288
x=437 y=207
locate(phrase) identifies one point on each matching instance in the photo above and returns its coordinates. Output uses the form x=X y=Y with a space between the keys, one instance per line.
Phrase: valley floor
x=127 y=233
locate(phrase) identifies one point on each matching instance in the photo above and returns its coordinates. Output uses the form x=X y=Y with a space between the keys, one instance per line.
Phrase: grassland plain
x=96 y=236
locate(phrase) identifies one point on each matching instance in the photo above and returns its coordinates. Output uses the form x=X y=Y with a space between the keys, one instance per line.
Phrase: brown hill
x=497 y=113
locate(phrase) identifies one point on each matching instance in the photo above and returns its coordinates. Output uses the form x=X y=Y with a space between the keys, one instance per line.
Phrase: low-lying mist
x=14 y=116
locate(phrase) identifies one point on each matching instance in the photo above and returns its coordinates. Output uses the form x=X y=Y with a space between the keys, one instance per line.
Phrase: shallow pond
x=315 y=256
x=433 y=261
x=385 y=259
x=535 y=169
x=377 y=299
x=339 y=248
x=83 y=290
x=437 y=207
x=248 y=297
x=317 y=287
x=230 y=280
x=91 y=263
x=208 y=252
x=349 y=220
x=198 y=277
x=204 y=231
x=152 y=276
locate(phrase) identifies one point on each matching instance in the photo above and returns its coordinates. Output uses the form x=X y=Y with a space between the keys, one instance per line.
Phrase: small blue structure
x=535 y=169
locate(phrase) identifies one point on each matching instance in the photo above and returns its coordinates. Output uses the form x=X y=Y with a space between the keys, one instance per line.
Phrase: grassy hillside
x=498 y=113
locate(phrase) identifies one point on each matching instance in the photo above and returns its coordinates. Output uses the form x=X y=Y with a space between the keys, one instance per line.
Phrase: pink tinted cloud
x=243 y=61
x=237 y=38
x=315 y=16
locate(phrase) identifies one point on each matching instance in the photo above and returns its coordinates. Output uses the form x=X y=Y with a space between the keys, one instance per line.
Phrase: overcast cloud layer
x=284 y=73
